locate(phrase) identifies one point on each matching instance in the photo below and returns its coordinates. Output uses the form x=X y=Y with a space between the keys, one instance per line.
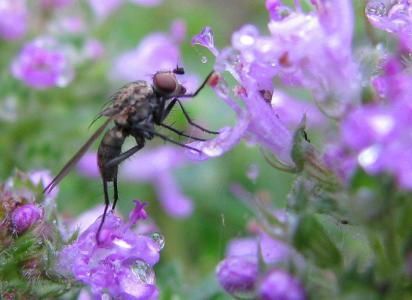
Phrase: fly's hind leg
x=115 y=192
x=106 y=203
x=116 y=161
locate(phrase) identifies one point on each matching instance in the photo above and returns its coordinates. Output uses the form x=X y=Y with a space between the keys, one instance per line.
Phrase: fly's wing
x=74 y=160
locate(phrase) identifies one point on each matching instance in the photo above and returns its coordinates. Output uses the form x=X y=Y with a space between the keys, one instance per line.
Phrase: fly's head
x=166 y=84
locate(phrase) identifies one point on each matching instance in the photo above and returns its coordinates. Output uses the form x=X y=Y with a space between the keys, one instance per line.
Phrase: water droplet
x=213 y=150
x=203 y=59
x=122 y=243
x=375 y=9
x=143 y=272
x=158 y=239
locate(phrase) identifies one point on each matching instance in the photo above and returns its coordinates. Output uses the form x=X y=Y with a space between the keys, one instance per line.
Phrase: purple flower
x=121 y=264
x=227 y=139
x=238 y=275
x=103 y=9
x=146 y=2
x=206 y=39
x=25 y=216
x=41 y=64
x=391 y=16
x=93 y=49
x=291 y=52
x=309 y=50
x=375 y=136
x=13 y=19
x=280 y=285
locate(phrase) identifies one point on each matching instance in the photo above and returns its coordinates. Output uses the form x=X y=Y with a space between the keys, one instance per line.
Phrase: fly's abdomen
x=110 y=148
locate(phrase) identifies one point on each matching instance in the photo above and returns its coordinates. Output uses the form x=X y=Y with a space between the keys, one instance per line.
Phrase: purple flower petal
x=174 y=202
x=226 y=140
x=242 y=247
x=278 y=284
x=238 y=275
x=87 y=166
x=138 y=212
x=25 y=216
x=146 y=2
x=13 y=19
x=205 y=38
x=103 y=9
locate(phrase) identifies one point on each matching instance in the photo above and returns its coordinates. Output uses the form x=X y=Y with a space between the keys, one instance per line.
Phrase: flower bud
x=237 y=275
x=278 y=284
x=23 y=217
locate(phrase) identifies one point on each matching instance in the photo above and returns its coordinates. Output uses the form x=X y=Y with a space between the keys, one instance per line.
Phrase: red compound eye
x=165 y=83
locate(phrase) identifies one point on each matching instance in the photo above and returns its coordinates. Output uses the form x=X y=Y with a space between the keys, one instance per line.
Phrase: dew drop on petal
x=375 y=9
x=143 y=272
x=122 y=244
x=203 y=59
x=158 y=239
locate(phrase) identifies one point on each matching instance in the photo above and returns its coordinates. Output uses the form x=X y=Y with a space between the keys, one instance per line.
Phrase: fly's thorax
x=135 y=100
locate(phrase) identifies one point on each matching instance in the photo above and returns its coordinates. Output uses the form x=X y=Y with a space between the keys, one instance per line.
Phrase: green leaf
x=311 y=239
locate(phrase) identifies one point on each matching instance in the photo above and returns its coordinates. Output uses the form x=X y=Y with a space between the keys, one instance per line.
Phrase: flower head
x=41 y=64
x=279 y=284
x=25 y=216
x=121 y=264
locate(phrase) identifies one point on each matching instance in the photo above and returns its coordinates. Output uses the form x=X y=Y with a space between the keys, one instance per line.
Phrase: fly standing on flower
x=135 y=110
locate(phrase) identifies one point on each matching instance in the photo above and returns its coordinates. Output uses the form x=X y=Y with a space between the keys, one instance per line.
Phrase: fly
x=135 y=110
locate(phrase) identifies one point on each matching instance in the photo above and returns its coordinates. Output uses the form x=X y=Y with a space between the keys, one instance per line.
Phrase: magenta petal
x=278 y=284
x=13 y=19
x=226 y=140
x=205 y=38
x=87 y=166
x=174 y=202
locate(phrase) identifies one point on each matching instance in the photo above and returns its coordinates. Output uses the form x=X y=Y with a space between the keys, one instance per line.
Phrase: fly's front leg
x=199 y=88
x=189 y=120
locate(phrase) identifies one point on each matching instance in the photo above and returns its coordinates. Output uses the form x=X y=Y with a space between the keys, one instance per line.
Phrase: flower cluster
x=256 y=267
x=19 y=208
x=312 y=51
x=120 y=264
x=299 y=51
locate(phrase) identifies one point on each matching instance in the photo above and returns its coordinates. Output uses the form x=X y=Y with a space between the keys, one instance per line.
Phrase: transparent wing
x=74 y=160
